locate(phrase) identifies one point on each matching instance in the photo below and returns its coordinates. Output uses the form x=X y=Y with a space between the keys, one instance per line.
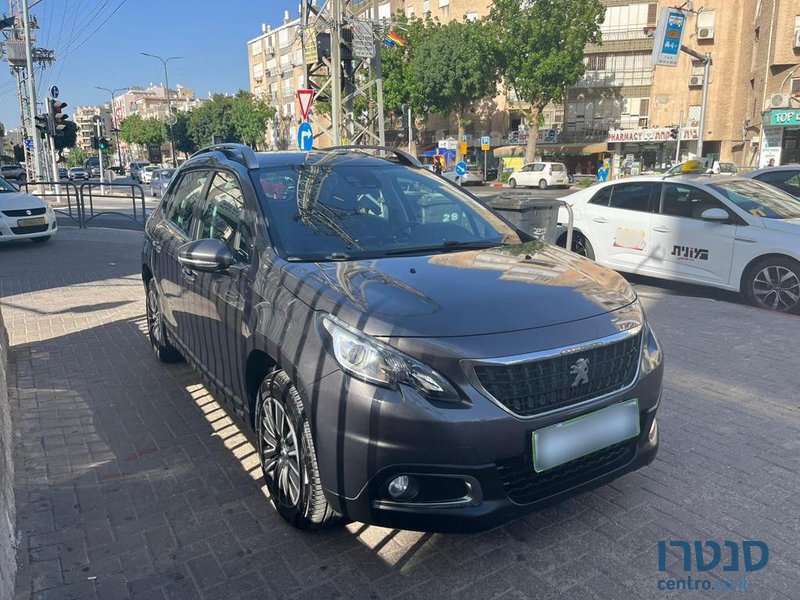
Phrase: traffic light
x=404 y=118
x=674 y=133
x=58 y=118
x=94 y=142
x=102 y=143
x=43 y=123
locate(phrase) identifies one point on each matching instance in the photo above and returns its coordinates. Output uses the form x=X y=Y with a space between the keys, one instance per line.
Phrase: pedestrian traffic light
x=57 y=117
x=674 y=133
x=102 y=143
x=43 y=123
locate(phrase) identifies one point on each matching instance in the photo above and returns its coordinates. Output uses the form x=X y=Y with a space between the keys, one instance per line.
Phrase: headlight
x=652 y=355
x=373 y=361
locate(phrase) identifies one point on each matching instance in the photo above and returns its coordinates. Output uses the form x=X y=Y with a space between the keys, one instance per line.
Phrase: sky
x=97 y=43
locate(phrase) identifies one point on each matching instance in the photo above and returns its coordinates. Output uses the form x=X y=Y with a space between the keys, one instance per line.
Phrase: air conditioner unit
x=270 y=51
x=696 y=81
x=779 y=101
x=705 y=33
x=258 y=79
x=796 y=38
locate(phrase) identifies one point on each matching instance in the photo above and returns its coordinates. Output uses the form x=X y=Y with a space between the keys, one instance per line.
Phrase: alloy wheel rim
x=777 y=288
x=280 y=454
x=154 y=315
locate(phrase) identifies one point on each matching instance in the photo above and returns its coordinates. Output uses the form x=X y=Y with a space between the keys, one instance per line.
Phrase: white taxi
x=23 y=216
x=726 y=232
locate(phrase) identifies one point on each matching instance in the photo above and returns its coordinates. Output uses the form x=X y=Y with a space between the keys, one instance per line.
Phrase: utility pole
x=114 y=123
x=26 y=28
x=164 y=61
x=706 y=60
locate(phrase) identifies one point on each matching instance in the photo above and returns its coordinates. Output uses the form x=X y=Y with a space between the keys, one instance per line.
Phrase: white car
x=472 y=177
x=726 y=232
x=540 y=174
x=24 y=217
x=146 y=174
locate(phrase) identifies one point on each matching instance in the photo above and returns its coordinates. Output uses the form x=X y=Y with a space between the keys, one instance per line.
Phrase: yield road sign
x=305 y=98
x=305 y=137
x=461 y=169
x=54 y=92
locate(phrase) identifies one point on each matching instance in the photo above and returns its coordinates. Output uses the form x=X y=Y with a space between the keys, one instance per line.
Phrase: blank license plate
x=563 y=442
x=31 y=222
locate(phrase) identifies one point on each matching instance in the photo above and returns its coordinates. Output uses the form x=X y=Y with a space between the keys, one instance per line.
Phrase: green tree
x=75 y=157
x=250 y=116
x=212 y=118
x=68 y=136
x=180 y=131
x=541 y=47
x=144 y=132
x=452 y=67
x=398 y=85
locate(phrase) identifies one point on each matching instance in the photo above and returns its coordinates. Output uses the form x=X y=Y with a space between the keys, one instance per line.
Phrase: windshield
x=6 y=187
x=759 y=199
x=336 y=213
x=166 y=173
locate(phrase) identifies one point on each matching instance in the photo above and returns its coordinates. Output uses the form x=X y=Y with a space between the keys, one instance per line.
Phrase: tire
x=40 y=240
x=285 y=447
x=542 y=184
x=773 y=283
x=512 y=183
x=580 y=245
x=156 y=331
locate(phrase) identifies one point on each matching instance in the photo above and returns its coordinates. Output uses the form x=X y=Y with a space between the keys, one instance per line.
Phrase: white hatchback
x=726 y=232
x=541 y=175
x=23 y=216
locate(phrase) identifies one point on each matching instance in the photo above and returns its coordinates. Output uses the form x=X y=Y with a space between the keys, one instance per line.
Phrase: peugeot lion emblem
x=28 y=212
x=581 y=371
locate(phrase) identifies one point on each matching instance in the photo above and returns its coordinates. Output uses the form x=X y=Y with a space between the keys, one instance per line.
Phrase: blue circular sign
x=461 y=169
x=305 y=137
x=54 y=92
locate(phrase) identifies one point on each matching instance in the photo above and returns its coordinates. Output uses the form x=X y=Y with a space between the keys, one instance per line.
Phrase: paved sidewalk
x=132 y=483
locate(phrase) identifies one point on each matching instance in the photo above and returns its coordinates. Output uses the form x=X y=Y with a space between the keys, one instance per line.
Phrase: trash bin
x=535 y=216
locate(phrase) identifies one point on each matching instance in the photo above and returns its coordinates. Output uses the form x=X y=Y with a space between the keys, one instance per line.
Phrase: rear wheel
x=542 y=184
x=287 y=455
x=512 y=183
x=165 y=351
x=774 y=283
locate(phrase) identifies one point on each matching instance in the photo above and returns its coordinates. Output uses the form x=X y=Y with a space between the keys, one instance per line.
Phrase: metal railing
x=62 y=191
x=93 y=190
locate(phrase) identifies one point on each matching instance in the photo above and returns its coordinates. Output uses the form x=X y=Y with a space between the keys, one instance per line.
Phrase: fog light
x=398 y=487
x=653 y=431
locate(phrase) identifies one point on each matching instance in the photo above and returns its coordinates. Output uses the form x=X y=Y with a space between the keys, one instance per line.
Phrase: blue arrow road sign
x=29 y=143
x=54 y=92
x=461 y=169
x=305 y=137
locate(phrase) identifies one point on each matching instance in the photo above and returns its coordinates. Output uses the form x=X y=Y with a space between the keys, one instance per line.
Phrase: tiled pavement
x=132 y=483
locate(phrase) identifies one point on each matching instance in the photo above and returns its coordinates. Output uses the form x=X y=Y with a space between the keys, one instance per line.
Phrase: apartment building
x=84 y=118
x=151 y=102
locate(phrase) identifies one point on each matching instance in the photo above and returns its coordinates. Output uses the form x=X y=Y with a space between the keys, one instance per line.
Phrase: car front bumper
x=10 y=229
x=473 y=463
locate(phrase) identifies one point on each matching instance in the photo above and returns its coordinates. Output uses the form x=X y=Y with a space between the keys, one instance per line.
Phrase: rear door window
x=636 y=196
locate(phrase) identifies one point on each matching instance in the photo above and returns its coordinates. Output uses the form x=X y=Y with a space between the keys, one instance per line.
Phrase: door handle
x=661 y=229
x=600 y=220
x=157 y=246
x=188 y=275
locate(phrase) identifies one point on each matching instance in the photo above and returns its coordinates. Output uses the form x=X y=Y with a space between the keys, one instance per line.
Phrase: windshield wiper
x=446 y=246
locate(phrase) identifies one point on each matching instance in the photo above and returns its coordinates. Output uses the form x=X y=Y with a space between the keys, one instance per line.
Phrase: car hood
x=19 y=200
x=783 y=225
x=477 y=292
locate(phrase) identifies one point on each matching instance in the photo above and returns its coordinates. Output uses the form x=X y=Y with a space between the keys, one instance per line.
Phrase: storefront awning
x=549 y=149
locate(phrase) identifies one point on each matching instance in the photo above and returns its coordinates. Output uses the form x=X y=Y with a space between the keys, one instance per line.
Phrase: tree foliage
x=250 y=116
x=144 y=132
x=75 y=157
x=180 y=132
x=541 y=46
x=212 y=118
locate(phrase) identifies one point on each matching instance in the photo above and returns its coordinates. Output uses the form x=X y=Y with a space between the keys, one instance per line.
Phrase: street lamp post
x=164 y=61
x=114 y=117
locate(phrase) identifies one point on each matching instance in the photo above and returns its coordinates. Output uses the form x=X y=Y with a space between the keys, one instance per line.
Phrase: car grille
x=25 y=212
x=524 y=485
x=538 y=386
x=26 y=230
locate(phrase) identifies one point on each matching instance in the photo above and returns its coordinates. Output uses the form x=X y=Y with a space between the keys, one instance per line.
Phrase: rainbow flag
x=394 y=39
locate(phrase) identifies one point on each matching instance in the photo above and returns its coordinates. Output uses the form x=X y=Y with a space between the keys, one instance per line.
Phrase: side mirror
x=715 y=215
x=209 y=255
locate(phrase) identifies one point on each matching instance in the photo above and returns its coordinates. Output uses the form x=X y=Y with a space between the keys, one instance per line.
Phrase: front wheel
x=287 y=455
x=542 y=184
x=774 y=283
x=156 y=330
x=512 y=183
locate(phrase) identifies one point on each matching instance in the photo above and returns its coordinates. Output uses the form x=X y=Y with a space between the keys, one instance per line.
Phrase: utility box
x=535 y=216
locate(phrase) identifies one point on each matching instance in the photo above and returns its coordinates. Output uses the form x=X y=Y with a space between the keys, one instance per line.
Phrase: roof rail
x=402 y=157
x=239 y=152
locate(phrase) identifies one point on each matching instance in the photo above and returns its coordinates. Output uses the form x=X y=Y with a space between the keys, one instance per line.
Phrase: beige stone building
x=84 y=118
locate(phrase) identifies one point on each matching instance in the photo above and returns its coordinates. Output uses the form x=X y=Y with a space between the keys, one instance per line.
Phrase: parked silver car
x=160 y=180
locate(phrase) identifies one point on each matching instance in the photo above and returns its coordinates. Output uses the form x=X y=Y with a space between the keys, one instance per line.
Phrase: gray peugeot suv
x=399 y=353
